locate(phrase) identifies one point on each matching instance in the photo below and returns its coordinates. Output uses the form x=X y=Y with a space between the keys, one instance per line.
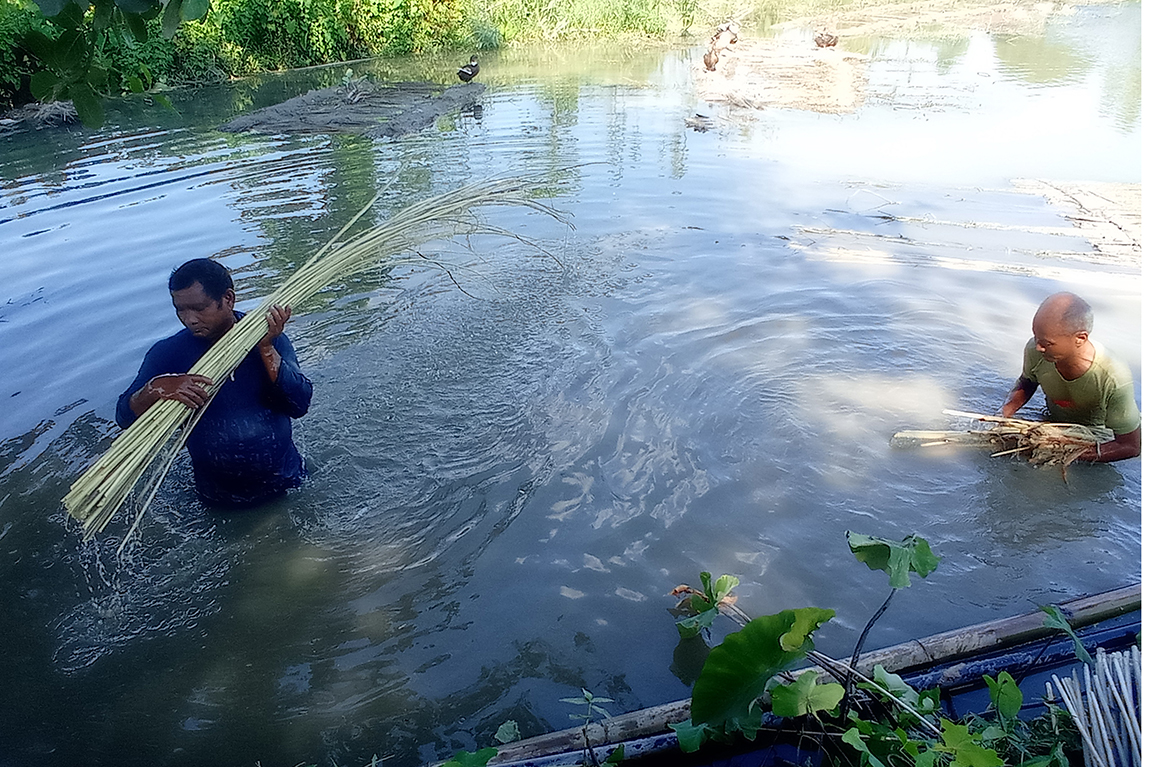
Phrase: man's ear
x=1081 y=337
x=229 y=298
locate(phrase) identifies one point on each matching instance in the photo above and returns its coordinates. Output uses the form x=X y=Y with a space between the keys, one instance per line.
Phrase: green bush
x=127 y=59
x=17 y=18
x=391 y=27
x=202 y=55
x=279 y=34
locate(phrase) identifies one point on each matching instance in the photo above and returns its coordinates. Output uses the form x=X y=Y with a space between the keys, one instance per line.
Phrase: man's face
x=206 y=317
x=1052 y=340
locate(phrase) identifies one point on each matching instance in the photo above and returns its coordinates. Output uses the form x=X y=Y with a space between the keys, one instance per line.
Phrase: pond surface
x=508 y=481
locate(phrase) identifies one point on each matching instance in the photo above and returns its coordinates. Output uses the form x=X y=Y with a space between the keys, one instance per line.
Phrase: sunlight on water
x=514 y=463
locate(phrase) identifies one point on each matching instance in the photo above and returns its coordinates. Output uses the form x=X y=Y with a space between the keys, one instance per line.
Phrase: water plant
x=592 y=702
x=876 y=721
x=702 y=607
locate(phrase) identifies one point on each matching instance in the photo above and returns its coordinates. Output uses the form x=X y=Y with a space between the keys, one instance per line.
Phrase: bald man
x=1082 y=383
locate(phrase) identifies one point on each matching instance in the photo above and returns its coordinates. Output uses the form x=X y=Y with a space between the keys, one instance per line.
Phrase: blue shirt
x=242 y=450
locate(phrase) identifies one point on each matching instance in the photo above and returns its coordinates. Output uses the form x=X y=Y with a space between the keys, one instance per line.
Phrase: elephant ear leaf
x=50 y=8
x=922 y=559
x=896 y=559
x=192 y=10
x=87 y=103
x=805 y=696
x=736 y=672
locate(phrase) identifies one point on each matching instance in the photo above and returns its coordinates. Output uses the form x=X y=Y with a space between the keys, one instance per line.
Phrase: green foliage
x=283 y=33
x=592 y=703
x=1043 y=742
x=686 y=10
x=18 y=18
x=726 y=695
x=925 y=703
x=568 y=19
x=508 y=732
x=133 y=65
x=704 y=605
x=805 y=696
x=882 y=745
x=1005 y=696
x=478 y=758
x=94 y=48
x=965 y=747
x=201 y=55
x=88 y=49
x=1055 y=619
x=895 y=559
x=885 y=721
x=691 y=736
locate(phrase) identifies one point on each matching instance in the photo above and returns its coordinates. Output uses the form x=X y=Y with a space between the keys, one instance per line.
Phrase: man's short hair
x=213 y=276
x=1078 y=317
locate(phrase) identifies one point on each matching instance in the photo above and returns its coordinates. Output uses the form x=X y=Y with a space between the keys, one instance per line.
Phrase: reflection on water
x=512 y=464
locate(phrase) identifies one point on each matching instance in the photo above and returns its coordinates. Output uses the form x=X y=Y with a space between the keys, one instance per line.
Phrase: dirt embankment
x=363 y=107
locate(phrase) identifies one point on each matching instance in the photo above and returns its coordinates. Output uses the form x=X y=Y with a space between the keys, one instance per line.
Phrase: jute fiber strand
x=1042 y=443
x=150 y=445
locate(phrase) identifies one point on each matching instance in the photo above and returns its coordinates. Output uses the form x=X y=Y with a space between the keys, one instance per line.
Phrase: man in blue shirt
x=242 y=450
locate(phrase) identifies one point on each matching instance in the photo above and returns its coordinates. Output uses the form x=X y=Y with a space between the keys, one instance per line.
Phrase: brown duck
x=710 y=59
x=825 y=39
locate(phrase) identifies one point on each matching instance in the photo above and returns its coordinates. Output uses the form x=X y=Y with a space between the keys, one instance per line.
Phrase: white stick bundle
x=1106 y=708
x=150 y=445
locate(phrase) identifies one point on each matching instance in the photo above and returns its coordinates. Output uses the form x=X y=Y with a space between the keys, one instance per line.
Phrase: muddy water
x=507 y=481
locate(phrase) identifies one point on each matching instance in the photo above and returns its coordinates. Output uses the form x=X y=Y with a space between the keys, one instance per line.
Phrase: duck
x=825 y=39
x=710 y=59
x=726 y=35
x=470 y=70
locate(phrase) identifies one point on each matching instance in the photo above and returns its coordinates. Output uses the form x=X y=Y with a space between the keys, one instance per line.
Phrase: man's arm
x=1121 y=447
x=191 y=390
x=1023 y=390
x=276 y=317
x=291 y=390
x=156 y=380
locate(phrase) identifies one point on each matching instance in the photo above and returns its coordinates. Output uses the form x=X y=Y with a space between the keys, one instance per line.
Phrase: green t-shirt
x=1102 y=396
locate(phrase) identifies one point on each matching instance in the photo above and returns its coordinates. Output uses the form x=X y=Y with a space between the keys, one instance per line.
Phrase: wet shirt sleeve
x=291 y=393
x=1122 y=414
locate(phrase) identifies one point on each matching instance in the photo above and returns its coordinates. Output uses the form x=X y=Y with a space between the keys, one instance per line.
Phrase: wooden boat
x=954 y=661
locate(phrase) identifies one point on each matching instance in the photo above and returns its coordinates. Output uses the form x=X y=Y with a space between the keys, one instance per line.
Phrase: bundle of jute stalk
x=151 y=444
x=1041 y=442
